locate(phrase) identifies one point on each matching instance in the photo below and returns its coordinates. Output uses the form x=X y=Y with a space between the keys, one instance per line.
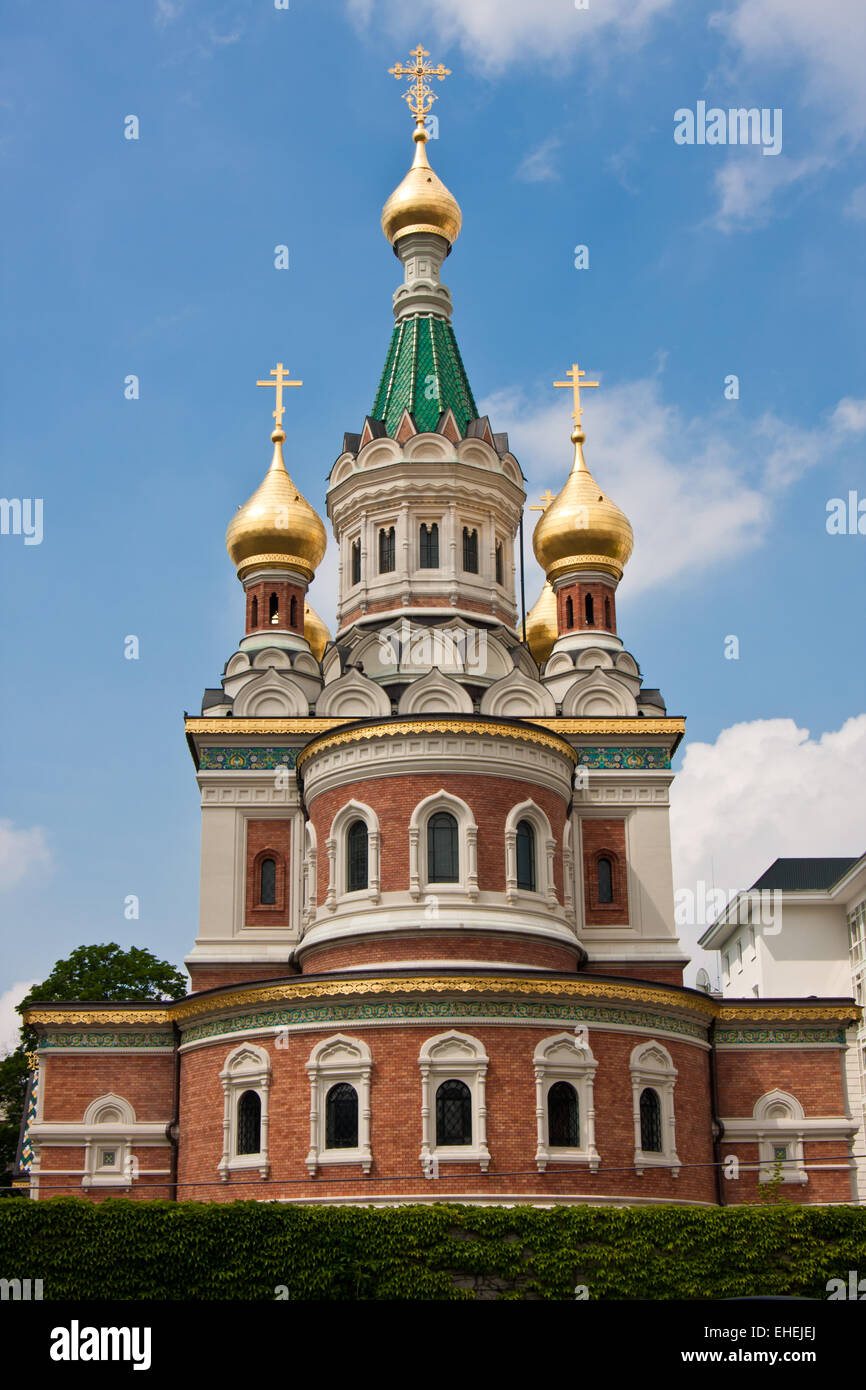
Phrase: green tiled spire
x=423 y=374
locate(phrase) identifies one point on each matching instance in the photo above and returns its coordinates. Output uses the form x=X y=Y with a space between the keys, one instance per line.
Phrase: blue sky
x=154 y=257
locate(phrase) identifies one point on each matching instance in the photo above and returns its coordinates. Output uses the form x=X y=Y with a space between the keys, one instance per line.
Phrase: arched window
x=254 y=612
x=526 y=856
x=563 y=1116
x=589 y=610
x=356 y=562
x=387 y=550
x=268 y=882
x=453 y=1114
x=341 y=1117
x=607 y=622
x=650 y=1121
x=498 y=562
x=604 y=880
x=273 y=610
x=569 y=613
x=429 y=547
x=356 y=857
x=249 y=1123
x=470 y=550
x=293 y=612
x=443 y=860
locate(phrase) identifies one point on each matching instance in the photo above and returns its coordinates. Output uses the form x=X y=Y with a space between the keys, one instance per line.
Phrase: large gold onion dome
x=582 y=528
x=542 y=624
x=276 y=527
x=315 y=631
x=421 y=203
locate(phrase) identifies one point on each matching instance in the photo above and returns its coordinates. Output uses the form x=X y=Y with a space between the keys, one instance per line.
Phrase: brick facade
x=500 y=948
x=604 y=839
x=289 y=606
x=267 y=839
x=574 y=619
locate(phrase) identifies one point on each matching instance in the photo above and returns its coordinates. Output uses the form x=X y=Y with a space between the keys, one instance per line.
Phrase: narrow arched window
x=650 y=1121
x=569 y=613
x=526 y=856
x=429 y=547
x=607 y=622
x=249 y=1123
x=268 y=882
x=499 y=562
x=589 y=610
x=443 y=861
x=356 y=857
x=273 y=610
x=293 y=612
x=563 y=1116
x=356 y=562
x=341 y=1117
x=453 y=1114
x=254 y=612
x=604 y=880
x=387 y=550
x=470 y=550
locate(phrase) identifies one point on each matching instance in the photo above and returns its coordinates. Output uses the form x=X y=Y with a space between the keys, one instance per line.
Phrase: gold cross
x=419 y=96
x=282 y=380
x=575 y=383
x=547 y=498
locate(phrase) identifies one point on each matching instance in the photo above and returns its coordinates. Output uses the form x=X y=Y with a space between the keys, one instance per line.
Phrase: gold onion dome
x=542 y=625
x=421 y=203
x=315 y=631
x=582 y=528
x=276 y=527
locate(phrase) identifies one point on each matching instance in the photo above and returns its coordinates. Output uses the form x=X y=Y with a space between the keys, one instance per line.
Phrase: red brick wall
x=395 y=798
x=212 y=977
x=661 y=974
x=285 y=592
x=69 y=1083
x=577 y=592
x=604 y=837
x=267 y=839
x=497 y=948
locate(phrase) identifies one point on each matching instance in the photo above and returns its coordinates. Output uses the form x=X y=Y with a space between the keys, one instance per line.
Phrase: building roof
x=804 y=875
x=423 y=374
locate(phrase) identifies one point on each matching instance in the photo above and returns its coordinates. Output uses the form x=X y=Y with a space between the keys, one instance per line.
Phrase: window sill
x=244 y=1163
x=653 y=1160
x=320 y=1159
x=460 y=1153
x=546 y=1154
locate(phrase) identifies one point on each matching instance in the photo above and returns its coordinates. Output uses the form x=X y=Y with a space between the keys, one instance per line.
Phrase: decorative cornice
x=614 y=725
x=226 y=727
x=837 y=1013
x=625 y=759
x=240 y=759
x=397 y=727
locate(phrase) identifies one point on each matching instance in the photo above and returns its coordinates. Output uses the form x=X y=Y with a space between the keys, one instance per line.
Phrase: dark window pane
x=268 y=882
x=429 y=547
x=453 y=1114
x=254 y=612
x=526 y=856
x=569 y=613
x=341 y=1117
x=563 y=1116
x=604 y=869
x=499 y=563
x=470 y=550
x=650 y=1122
x=387 y=551
x=249 y=1123
x=443 y=864
x=607 y=613
x=274 y=610
x=589 y=609
x=356 y=850
x=356 y=562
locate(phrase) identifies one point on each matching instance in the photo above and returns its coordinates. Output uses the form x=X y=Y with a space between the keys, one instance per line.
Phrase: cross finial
x=575 y=383
x=546 y=499
x=280 y=374
x=419 y=96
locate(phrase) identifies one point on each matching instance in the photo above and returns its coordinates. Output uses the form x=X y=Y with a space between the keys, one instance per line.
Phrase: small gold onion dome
x=276 y=527
x=582 y=528
x=315 y=632
x=542 y=625
x=421 y=203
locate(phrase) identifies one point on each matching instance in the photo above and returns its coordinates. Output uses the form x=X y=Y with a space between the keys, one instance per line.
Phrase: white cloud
x=10 y=1021
x=167 y=11
x=748 y=184
x=856 y=204
x=694 y=499
x=539 y=165
x=766 y=790
x=497 y=32
x=20 y=851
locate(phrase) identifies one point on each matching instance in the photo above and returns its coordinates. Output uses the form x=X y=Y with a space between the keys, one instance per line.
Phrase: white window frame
x=247 y=1068
x=467 y=848
x=332 y=1061
x=651 y=1065
x=776 y=1115
x=454 y=1056
x=337 y=849
x=111 y=1121
x=310 y=873
x=565 y=1057
x=545 y=847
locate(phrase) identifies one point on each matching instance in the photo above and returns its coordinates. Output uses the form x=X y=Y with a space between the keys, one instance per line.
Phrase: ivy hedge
x=120 y=1249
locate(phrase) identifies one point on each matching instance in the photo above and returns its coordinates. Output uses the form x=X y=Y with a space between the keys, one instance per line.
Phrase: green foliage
x=121 y=1249
x=13 y=1088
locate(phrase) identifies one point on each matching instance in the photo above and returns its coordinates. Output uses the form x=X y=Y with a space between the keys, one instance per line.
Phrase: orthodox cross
x=282 y=379
x=546 y=498
x=419 y=96
x=575 y=383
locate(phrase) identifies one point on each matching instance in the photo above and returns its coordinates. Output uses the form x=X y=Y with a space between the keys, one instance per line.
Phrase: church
x=437 y=956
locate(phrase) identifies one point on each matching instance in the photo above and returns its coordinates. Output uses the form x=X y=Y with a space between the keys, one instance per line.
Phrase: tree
x=92 y=973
